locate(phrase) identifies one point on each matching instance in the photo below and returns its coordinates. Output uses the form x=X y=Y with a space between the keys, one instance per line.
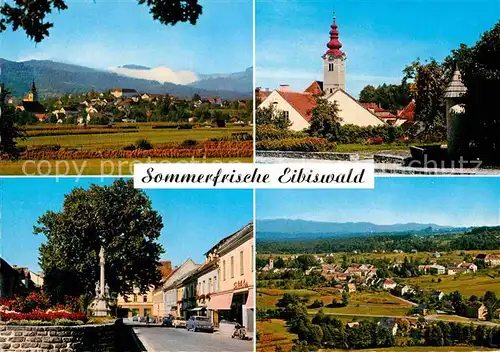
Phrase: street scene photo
x=91 y=87
x=97 y=265
x=413 y=265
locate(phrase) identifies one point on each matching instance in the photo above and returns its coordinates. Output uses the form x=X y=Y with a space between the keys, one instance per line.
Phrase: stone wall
x=95 y=338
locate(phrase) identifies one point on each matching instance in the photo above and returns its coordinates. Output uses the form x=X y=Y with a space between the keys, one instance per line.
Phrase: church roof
x=303 y=103
x=315 y=88
x=33 y=107
x=456 y=88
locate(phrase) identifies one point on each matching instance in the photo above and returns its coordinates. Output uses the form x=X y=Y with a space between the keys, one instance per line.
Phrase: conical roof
x=456 y=88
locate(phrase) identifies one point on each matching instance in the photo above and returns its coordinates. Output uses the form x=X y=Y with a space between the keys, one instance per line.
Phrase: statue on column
x=100 y=306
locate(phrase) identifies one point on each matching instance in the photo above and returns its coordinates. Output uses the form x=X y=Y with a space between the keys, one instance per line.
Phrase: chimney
x=284 y=87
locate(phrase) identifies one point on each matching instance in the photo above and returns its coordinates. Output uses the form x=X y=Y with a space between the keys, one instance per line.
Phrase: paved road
x=405 y=300
x=158 y=339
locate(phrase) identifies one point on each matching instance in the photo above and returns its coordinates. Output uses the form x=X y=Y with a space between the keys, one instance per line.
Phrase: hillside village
x=127 y=105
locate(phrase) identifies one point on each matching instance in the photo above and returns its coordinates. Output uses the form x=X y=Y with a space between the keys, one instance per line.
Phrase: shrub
x=352 y=134
x=270 y=132
x=129 y=147
x=143 y=144
x=309 y=144
x=42 y=316
x=189 y=143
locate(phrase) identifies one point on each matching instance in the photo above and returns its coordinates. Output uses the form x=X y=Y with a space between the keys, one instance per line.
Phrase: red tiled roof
x=385 y=115
x=408 y=112
x=315 y=88
x=372 y=106
x=303 y=103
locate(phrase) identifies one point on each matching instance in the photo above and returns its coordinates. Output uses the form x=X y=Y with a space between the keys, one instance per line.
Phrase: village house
x=269 y=266
x=123 y=92
x=141 y=303
x=351 y=288
x=432 y=269
x=437 y=295
x=489 y=259
x=389 y=284
x=389 y=324
x=476 y=310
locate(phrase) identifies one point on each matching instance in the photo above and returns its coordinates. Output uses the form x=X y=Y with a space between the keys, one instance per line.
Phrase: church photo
x=335 y=82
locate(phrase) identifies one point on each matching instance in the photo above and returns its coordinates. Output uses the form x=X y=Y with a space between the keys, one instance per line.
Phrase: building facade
x=235 y=299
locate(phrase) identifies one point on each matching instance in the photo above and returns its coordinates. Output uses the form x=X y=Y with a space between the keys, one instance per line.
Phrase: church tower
x=33 y=94
x=333 y=62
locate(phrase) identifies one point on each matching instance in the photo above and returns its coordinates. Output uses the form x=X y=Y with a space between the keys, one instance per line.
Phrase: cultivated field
x=274 y=333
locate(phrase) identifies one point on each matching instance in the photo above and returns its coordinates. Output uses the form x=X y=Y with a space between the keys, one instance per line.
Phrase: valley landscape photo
x=126 y=83
x=413 y=265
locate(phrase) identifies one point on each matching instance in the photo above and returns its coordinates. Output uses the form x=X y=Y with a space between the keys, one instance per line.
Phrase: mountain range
x=56 y=78
x=288 y=229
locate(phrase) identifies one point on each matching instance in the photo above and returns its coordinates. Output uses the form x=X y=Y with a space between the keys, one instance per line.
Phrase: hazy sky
x=111 y=33
x=194 y=220
x=455 y=201
x=379 y=37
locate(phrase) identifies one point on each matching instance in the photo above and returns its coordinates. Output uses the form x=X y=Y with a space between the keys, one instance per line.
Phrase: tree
x=117 y=217
x=325 y=120
x=345 y=298
x=30 y=16
x=480 y=70
x=368 y=94
x=429 y=84
x=196 y=97
x=9 y=131
x=272 y=116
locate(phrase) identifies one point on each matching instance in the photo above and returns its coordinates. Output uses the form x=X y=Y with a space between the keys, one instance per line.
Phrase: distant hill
x=287 y=229
x=55 y=79
x=231 y=82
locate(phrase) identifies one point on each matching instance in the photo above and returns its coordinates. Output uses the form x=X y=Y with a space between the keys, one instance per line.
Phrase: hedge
x=309 y=144
x=270 y=132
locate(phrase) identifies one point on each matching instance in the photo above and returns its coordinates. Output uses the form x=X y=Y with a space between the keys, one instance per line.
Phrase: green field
x=274 y=333
x=119 y=140
x=468 y=284
x=99 y=167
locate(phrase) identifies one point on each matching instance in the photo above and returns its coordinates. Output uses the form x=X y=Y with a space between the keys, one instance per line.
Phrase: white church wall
x=353 y=113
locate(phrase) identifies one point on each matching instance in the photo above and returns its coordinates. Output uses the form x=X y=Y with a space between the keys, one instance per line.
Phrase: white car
x=178 y=323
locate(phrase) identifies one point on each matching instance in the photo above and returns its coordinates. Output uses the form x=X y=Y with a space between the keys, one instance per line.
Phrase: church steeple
x=33 y=94
x=334 y=44
x=333 y=62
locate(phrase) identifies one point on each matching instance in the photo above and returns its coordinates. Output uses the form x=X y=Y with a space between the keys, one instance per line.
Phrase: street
x=160 y=339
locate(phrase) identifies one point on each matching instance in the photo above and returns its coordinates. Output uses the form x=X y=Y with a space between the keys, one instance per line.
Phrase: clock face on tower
x=331 y=57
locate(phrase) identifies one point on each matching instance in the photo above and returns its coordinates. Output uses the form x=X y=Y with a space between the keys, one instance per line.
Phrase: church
x=31 y=104
x=298 y=105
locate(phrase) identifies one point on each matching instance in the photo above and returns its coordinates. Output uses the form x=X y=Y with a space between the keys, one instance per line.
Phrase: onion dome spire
x=334 y=44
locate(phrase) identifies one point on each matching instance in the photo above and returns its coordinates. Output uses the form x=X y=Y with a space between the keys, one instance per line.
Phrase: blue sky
x=111 y=33
x=194 y=220
x=379 y=37
x=458 y=201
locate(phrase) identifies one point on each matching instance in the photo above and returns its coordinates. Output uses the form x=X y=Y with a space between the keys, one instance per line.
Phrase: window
x=209 y=285
x=216 y=287
x=224 y=270
x=242 y=269
x=330 y=67
x=144 y=298
x=203 y=287
x=286 y=114
x=135 y=298
x=232 y=267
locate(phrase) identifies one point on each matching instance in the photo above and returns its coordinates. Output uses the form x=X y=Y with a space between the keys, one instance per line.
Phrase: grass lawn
x=119 y=140
x=372 y=310
x=420 y=349
x=99 y=167
x=274 y=333
x=468 y=284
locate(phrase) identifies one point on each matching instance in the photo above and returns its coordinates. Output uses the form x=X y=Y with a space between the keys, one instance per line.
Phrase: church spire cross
x=334 y=44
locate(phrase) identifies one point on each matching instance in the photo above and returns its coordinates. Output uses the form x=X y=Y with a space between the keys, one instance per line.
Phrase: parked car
x=167 y=321
x=197 y=323
x=178 y=322
x=135 y=318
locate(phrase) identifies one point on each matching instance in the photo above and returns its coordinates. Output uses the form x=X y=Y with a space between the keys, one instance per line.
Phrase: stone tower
x=271 y=262
x=333 y=62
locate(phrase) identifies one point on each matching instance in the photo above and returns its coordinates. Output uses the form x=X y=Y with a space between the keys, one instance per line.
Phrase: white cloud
x=161 y=74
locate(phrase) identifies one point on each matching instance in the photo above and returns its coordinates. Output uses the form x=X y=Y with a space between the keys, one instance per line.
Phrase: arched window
x=330 y=67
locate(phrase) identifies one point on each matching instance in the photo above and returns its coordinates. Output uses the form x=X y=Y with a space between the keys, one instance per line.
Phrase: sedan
x=197 y=323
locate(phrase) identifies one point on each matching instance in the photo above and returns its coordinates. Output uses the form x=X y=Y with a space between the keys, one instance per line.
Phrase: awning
x=250 y=303
x=196 y=309
x=220 y=302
